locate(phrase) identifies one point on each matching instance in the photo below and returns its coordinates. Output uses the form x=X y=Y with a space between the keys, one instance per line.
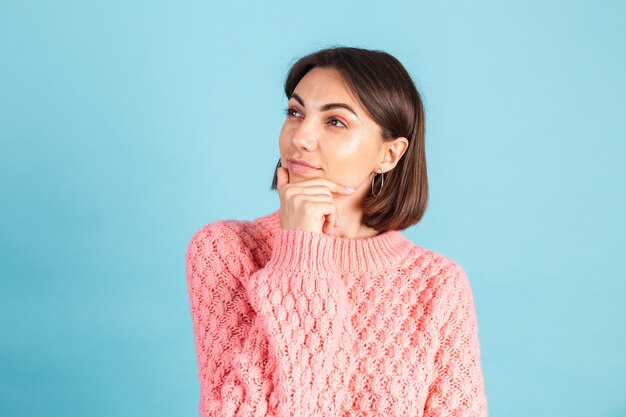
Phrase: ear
x=392 y=152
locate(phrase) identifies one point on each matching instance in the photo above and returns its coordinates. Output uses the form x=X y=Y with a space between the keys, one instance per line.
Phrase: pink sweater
x=295 y=323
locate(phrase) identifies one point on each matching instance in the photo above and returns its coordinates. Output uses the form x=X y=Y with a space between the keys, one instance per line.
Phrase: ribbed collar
x=388 y=249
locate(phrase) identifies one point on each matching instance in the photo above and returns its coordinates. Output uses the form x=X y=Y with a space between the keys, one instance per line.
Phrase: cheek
x=351 y=165
x=282 y=139
x=352 y=155
x=285 y=134
x=284 y=144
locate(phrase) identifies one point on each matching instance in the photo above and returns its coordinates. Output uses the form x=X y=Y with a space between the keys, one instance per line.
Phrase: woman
x=323 y=308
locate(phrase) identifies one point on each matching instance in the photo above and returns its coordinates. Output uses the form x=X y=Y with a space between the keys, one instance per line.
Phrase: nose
x=306 y=134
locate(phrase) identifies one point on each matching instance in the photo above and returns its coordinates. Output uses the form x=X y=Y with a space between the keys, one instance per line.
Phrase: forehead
x=323 y=85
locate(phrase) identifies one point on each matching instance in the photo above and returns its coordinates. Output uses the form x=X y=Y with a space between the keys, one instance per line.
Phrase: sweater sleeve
x=279 y=347
x=458 y=389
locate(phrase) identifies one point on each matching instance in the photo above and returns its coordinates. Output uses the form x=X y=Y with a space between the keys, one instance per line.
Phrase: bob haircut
x=387 y=92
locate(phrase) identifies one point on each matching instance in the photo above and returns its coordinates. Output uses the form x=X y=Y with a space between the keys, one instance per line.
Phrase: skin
x=347 y=148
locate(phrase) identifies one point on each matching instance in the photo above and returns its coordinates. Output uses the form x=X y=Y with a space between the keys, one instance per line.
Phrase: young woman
x=323 y=308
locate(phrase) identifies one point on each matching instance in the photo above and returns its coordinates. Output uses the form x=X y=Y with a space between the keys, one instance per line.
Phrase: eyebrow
x=327 y=106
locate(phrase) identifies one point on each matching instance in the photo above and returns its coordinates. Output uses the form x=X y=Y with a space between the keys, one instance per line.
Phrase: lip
x=302 y=169
x=299 y=162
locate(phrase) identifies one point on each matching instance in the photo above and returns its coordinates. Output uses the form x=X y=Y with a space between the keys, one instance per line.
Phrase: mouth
x=296 y=167
x=293 y=161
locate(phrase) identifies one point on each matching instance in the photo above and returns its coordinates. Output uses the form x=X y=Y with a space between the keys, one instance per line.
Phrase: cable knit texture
x=298 y=323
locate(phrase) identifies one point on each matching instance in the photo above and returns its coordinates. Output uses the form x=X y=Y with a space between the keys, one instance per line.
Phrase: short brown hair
x=387 y=92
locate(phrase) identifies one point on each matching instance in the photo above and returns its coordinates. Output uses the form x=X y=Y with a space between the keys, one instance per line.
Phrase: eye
x=343 y=126
x=289 y=111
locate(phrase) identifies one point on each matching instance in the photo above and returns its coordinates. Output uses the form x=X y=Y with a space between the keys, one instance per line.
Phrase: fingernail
x=350 y=190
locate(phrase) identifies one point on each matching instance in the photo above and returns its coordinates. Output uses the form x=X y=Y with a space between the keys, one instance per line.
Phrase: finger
x=322 y=198
x=323 y=211
x=330 y=213
x=330 y=221
x=314 y=189
x=333 y=186
x=282 y=177
x=329 y=228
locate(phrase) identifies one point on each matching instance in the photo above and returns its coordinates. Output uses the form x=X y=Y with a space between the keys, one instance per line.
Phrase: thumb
x=282 y=177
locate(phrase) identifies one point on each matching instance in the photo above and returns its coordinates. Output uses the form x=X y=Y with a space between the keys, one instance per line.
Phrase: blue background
x=126 y=126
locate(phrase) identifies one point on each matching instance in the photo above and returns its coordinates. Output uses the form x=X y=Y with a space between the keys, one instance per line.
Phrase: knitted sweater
x=299 y=323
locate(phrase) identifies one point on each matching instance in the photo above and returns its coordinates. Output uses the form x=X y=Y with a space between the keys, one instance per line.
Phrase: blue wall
x=126 y=126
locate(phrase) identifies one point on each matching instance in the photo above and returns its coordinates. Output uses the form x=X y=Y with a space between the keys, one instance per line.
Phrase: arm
x=458 y=389
x=279 y=347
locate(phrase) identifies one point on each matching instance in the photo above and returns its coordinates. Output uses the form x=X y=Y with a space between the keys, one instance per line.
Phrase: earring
x=382 y=175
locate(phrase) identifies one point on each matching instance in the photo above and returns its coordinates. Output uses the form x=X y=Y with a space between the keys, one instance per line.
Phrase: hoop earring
x=382 y=175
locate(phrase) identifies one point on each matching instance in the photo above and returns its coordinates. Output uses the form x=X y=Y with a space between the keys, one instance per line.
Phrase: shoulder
x=227 y=240
x=218 y=234
x=451 y=291
x=442 y=276
x=221 y=237
x=438 y=268
x=452 y=274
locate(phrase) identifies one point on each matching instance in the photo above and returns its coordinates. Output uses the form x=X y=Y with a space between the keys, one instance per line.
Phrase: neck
x=350 y=216
x=352 y=228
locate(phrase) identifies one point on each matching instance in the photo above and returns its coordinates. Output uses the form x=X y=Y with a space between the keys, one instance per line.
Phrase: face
x=345 y=145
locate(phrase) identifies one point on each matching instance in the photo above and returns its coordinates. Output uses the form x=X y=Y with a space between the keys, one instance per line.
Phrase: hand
x=308 y=205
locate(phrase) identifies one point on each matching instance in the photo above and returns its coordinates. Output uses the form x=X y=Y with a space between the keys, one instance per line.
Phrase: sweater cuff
x=299 y=250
